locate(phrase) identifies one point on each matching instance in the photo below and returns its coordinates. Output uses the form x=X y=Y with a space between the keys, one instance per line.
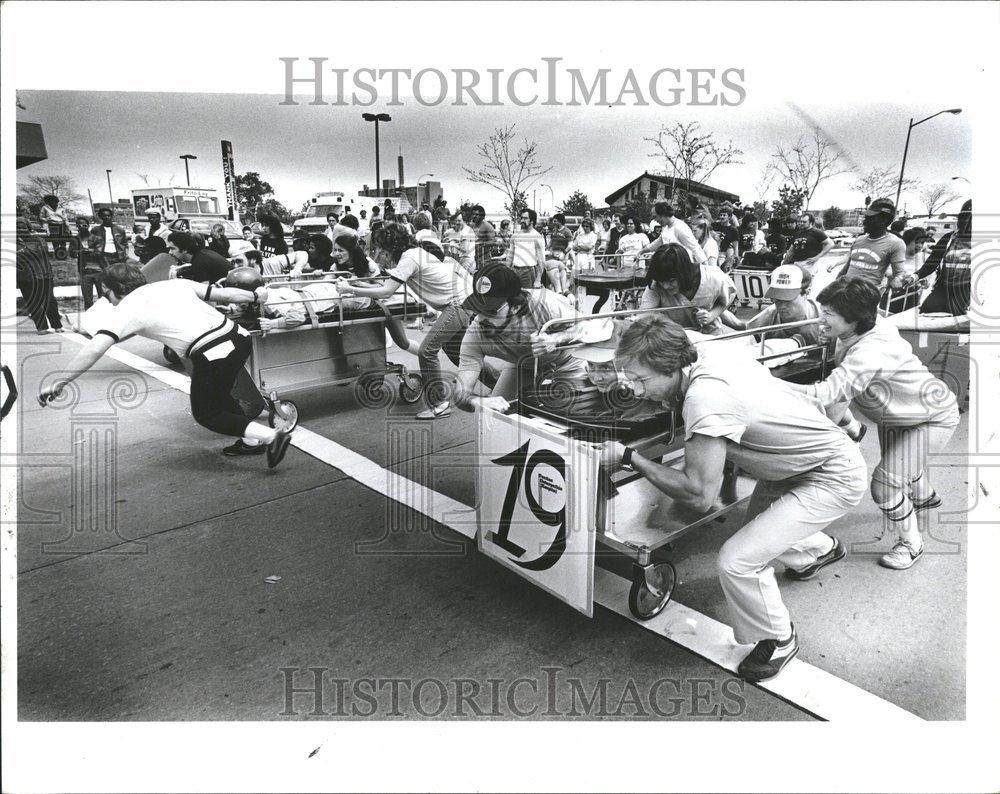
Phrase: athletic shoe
x=438 y=411
x=241 y=448
x=931 y=501
x=767 y=659
x=838 y=552
x=276 y=449
x=901 y=557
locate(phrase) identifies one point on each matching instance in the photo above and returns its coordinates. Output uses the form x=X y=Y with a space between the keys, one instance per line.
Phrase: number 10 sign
x=537 y=502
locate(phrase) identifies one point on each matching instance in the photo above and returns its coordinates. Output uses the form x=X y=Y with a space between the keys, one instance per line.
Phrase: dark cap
x=492 y=287
x=882 y=206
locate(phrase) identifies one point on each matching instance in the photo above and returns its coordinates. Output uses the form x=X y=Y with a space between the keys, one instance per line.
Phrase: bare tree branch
x=936 y=196
x=510 y=172
x=881 y=182
x=62 y=187
x=808 y=163
x=690 y=154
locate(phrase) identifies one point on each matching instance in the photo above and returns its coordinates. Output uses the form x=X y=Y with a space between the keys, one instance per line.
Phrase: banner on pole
x=229 y=175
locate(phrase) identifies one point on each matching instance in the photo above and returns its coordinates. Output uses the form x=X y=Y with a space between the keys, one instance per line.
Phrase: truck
x=339 y=201
x=198 y=206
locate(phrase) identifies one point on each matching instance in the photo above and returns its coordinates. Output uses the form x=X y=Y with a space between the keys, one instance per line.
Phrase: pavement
x=144 y=554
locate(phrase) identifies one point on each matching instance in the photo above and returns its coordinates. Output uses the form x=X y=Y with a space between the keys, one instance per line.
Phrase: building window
x=654 y=189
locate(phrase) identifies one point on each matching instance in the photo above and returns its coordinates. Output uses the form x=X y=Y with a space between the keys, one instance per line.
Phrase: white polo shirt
x=168 y=312
x=680 y=233
x=437 y=283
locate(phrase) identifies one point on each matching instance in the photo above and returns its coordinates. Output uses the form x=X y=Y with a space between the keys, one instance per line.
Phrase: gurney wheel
x=172 y=358
x=372 y=391
x=283 y=415
x=651 y=589
x=411 y=388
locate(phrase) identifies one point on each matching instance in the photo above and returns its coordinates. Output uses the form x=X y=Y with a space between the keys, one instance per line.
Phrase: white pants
x=905 y=449
x=785 y=520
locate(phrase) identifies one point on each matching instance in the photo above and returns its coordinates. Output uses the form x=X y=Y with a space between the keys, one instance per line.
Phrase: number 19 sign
x=537 y=501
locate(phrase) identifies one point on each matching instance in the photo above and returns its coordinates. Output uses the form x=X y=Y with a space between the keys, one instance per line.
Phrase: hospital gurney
x=626 y=282
x=333 y=348
x=560 y=425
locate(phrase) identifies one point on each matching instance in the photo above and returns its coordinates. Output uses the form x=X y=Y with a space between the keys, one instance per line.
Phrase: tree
x=788 y=205
x=833 y=217
x=760 y=212
x=62 y=187
x=807 y=164
x=640 y=208
x=518 y=205
x=251 y=191
x=576 y=204
x=691 y=154
x=275 y=208
x=881 y=182
x=936 y=196
x=510 y=172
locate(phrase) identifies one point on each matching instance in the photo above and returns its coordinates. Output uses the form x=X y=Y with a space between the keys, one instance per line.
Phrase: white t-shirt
x=711 y=249
x=679 y=232
x=527 y=249
x=109 y=240
x=169 y=312
x=631 y=244
x=437 y=283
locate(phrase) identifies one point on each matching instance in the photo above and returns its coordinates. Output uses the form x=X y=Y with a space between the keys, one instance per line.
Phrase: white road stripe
x=800 y=683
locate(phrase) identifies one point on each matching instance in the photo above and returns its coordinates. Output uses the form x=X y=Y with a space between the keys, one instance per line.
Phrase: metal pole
x=111 y=196
x=902 y=168
x=187 y=173
x=378 y=172
x=90 y=198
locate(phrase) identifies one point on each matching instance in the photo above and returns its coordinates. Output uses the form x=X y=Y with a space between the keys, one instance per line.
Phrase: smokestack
x=401 y=180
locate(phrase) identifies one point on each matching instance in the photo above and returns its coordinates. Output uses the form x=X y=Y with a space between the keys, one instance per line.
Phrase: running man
x=176 y=314
x=809 y=473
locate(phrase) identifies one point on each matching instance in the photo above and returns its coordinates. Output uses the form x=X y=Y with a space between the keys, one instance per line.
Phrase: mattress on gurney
x=334 y=317
x=912 y=320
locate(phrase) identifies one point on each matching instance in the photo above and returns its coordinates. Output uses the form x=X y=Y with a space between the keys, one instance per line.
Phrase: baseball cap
x=491 y=288
x=882 y=206
x=603 y=340
x=786 y=282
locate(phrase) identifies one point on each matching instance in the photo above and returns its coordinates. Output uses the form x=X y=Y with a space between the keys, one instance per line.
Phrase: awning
x=30 y=144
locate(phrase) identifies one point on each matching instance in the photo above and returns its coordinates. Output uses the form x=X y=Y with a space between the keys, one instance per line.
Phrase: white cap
x=786 y=282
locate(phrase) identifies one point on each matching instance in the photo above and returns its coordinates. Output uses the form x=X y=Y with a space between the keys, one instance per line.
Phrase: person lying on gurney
x=788 y=291
x=506 y=326
x=285 y=307
x=312 y=253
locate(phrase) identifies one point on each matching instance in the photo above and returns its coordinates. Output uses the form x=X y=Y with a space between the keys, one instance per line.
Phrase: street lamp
x=377 y=119
x=902 y=168
x=542 y=184
x=187 y=173
x=962 y=178
x=427 y=192
x=111 y=196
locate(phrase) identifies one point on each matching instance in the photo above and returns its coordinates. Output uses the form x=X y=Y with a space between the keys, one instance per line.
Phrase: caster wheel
x=283 y=415
x=411 y=388
x=172 y=358
x=372 y=391
x=651 y=589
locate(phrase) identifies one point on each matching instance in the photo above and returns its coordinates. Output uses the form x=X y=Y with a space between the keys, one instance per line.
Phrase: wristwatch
x=627 y=459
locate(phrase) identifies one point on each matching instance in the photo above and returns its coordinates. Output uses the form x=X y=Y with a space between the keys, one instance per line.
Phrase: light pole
x=111 y=196
x=187 y=173
x=906 y=148
x=542 y=184
x=377 y=119
x=427 y=191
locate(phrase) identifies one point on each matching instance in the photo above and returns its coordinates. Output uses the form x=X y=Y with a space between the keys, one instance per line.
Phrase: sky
x=304 y=149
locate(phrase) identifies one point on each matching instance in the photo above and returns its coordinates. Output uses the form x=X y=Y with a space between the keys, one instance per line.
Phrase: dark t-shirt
x=727 y=236
x=807 y=243
x=272 y=246
x=206 y=265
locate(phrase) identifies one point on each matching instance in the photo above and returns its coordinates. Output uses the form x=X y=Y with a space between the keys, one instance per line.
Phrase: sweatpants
x=785 y=523
x=214 y=373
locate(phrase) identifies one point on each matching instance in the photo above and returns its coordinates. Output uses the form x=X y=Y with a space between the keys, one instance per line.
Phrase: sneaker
x=901 y=557
x=767 y=659
x=931 y=501
x=438 y=411
x=276 y=449
x=838 y=552
x=242 y=448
